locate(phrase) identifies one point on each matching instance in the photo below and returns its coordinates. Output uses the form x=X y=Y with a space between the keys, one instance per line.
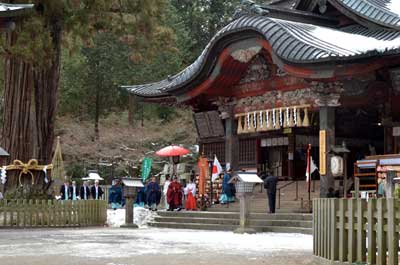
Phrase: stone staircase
x=287 y=203
x=229 y=221
x=291 y=217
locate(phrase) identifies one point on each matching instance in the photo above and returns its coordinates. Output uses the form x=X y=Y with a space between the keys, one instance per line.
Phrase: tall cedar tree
x=33 y=54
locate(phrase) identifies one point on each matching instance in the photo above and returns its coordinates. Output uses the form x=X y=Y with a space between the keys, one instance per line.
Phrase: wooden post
x=231 y=141
x=361 y=233
x=381 y=232
x=371 y=231
x=343 y=249
x=393 y=236
x=356 y=193
x=352 y=236
x=326 y=125
x=334 y=245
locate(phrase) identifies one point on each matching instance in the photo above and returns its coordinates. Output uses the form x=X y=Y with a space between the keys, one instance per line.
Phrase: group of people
x=72 y=192
x=172 y=192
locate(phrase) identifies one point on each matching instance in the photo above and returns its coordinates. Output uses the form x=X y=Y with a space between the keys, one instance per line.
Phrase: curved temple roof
x=10 y=10
x=382 y=12
x=292 y=42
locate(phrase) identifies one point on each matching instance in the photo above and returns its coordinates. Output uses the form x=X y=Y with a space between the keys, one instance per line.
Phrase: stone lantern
x=244 y=184
x=130 y=191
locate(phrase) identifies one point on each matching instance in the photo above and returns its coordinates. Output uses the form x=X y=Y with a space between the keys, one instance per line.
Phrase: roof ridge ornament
x=248 y=7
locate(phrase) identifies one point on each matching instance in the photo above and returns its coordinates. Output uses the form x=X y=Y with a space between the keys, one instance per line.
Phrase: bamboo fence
x=356 y=230
x=52 y=213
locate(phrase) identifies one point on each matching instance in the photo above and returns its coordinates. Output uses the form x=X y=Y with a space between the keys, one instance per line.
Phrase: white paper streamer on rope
x=295 y=116
x=267 y=118
x=287 y=116
x=3 y=175
x=46 y=179
x=255 y=119
x=280 y=117
x=273 y=118
x=248 y=121
x=261 y=119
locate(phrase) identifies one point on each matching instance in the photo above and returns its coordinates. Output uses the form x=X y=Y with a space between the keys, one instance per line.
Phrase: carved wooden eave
x=294 y=53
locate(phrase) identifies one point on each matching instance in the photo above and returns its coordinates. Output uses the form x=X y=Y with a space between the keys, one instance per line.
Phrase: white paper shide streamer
x=273 y=118
x=46 y=179
x=3 y=175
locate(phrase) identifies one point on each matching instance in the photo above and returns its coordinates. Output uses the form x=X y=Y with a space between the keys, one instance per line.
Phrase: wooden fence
x=52 y=213
x=354 y=230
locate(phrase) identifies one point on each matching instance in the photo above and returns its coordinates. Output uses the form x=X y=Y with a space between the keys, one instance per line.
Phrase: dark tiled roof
x=382 y=12
x=292 y=42
x=11 y=10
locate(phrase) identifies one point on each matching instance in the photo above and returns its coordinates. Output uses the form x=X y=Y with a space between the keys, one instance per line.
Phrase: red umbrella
x=172 y=150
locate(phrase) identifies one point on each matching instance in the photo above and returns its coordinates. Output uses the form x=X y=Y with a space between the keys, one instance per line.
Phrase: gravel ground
x=115 y=246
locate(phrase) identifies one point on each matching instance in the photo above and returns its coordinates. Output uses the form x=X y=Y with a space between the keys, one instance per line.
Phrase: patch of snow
x=340 y=43
x=115 y=218
x=394 y=6
x=141 y=216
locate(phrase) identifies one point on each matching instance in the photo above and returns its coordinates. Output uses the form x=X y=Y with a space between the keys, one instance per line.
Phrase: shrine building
x=291 y=73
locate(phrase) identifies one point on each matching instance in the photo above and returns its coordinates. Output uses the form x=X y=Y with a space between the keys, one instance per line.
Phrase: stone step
x=284 y=229
x=221 y=221
x=235 y=215
x=280 y=223
x=259 y=210
x=282 y=216
x=194 y=226
x=218 y=227
x=197 y=220
x=200 y=214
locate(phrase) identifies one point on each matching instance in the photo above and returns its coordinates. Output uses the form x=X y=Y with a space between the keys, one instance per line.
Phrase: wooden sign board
x=322 y=152
x=209 y=124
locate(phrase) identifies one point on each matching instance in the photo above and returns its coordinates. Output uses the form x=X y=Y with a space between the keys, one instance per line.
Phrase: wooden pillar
x=291 y=151
x=132 y=107
x=327 y=139
x=231 y=142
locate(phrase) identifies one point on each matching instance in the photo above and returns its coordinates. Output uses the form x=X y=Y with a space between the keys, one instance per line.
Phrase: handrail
x=279 y=192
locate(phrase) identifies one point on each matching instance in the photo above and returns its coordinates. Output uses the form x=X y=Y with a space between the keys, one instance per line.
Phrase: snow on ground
x=116 y=218
x=126 y=243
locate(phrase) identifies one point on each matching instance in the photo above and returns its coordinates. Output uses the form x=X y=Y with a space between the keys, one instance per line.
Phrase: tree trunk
x=30 y=99
x=131 y=110
x=97 y=115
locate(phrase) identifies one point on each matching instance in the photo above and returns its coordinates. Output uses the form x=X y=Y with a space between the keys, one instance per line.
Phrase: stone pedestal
x=244 y=214
x=129 y=214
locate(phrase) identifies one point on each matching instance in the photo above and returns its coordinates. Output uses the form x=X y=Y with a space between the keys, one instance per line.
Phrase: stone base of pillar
x=245 y=230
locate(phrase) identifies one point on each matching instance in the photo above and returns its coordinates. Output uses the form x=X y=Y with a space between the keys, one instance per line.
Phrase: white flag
x=312 y=169
x=216 y=170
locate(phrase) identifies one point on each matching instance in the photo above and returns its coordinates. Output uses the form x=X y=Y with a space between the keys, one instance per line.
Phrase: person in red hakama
x=174 y=195
x=190 y=192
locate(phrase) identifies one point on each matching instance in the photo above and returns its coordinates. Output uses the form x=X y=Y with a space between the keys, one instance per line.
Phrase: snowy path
x=115 y=246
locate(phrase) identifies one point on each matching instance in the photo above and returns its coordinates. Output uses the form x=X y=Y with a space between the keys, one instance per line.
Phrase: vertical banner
x=203 y=173
x=322 y=152
x=146 y=168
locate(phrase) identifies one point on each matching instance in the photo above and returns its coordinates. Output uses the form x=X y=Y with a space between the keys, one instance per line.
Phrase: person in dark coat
x=96 y=191
x=115 y=196
x=270 y=184
x=66 y=191
x=153 y=194
x=140 y=197
x=85 y=191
